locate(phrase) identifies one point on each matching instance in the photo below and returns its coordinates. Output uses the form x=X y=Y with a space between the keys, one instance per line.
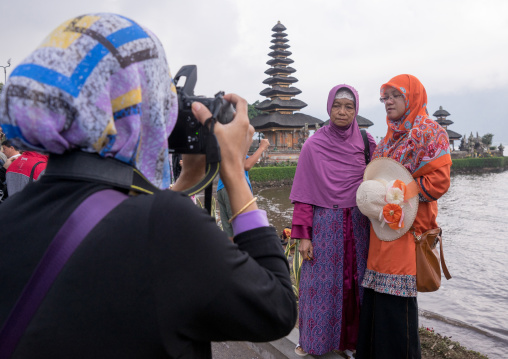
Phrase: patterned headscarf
x=98 y=83
x=331 y=164
x=414 y=140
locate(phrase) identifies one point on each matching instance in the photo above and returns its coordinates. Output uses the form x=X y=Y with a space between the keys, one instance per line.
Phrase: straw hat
x=388 y=195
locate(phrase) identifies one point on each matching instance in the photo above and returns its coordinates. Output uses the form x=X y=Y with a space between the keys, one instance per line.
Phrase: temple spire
x=280 y=93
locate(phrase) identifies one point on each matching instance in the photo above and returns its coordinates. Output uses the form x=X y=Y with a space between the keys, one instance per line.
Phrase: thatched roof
x=278 y=27
x=441 y=112
x=281 y=79
x=279 y=69
x=444 y=122
x=279 y=53
x=279 y=34
x=452 y=135
x=279 y=60
x=281 y=91
x=292 y=104
x=279 y=40
x=280 y=46
x=278 y=120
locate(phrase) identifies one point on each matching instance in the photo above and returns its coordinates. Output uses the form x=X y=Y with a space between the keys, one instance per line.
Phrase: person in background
x=26 y=168
x=222 y=195
x=389 y=317
x=10 y=150
x=156 y=277
x=333 y=233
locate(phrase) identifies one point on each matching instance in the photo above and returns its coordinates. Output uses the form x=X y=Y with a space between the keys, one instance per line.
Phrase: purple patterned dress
x=330 y=290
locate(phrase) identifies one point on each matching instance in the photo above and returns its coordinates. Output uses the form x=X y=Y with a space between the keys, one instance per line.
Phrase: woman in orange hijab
x=389 y=317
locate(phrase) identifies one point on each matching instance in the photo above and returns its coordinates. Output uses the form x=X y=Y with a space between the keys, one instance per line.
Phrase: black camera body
x=189 y=135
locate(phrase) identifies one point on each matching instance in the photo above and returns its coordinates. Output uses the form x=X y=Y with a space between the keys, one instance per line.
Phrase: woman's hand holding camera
x=234 y=139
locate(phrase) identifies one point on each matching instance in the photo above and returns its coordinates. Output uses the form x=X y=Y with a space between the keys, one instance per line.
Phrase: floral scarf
x=98 y=83
x=415 y=140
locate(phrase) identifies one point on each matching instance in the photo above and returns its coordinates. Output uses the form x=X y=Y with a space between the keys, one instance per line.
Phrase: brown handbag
x=428 y=271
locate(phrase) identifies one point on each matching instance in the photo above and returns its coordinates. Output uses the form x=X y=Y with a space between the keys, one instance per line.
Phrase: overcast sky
x=457 y=48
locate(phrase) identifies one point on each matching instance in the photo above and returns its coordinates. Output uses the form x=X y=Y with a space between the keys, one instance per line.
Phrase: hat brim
x=388 y=170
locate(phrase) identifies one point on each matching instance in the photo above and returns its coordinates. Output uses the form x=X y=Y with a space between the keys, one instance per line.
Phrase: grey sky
x=457 y=48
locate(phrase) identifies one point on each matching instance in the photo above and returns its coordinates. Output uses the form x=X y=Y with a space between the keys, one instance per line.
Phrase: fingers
x=201 y=112
x=306 y=249
x=239 y=102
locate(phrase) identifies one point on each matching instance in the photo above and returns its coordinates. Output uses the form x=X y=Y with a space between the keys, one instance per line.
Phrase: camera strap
x=212 y=165
x=79 y=165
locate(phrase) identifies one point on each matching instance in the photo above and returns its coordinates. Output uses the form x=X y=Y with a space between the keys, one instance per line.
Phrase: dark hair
x=8 y=143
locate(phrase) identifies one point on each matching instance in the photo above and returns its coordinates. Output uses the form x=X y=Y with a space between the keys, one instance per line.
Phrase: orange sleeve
x=434 y=184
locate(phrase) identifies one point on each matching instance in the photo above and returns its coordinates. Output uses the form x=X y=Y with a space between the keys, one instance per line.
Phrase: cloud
x=455 y=47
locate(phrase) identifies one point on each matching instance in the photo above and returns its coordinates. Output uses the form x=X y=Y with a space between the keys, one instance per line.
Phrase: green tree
x=487 y=139
x=253 y=112
x=1 y=87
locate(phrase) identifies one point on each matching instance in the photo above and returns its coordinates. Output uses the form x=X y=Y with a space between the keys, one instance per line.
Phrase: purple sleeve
x=246 y=221
x=302 y=221
x=372 y=144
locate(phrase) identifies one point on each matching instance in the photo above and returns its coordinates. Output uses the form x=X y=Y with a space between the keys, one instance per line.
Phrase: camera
x=189 y=135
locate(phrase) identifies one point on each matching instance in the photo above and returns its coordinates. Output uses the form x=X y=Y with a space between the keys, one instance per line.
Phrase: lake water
x=472 y=307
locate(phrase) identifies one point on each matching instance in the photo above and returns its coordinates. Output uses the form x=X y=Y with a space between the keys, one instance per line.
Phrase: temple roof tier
x=279 y=40
x=280 y=53
x=280 y=79
x=280 y=91
x=279 y=34
x=278 y=27
x=278 y=104
x=444 y=122
x=280 y=70
x=279 y=60
x=441 y=112
x=280 y=46
x=452 y=135
x=295 y=120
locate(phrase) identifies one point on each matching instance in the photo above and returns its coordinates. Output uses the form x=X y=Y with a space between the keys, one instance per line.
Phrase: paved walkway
x=278 y=349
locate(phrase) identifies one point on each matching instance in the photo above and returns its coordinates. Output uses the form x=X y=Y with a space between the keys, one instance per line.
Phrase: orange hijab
x=415 y=140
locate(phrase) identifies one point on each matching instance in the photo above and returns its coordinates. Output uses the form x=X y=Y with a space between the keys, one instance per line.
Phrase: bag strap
x=441 y=254
x=31 y=179
x=366 y=149
x=86 y=216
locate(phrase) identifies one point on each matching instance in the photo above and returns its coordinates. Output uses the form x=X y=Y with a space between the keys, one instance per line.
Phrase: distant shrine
x=285 y=129
x=442 y=120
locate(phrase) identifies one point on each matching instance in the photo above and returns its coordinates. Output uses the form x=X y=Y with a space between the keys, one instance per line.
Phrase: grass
x=435 y=345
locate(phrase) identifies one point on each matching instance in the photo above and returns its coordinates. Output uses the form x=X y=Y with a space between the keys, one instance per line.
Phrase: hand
x=306 y=249
x=264 y=144
x=8 y=163
x=234 y=139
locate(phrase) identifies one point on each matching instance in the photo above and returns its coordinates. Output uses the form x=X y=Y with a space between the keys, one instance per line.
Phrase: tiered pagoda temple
x=279 y=123
x=442 y=115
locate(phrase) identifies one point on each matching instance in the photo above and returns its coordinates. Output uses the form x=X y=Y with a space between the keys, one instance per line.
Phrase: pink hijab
x=331 y=164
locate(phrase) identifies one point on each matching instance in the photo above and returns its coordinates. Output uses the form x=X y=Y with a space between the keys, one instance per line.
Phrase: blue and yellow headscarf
x=98 y=83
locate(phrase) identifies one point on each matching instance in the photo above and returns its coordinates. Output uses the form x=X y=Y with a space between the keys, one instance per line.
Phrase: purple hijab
x=331 y=163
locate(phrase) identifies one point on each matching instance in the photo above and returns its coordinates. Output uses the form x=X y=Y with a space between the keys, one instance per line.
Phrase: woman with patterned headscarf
x=389 y=318
x=333 y=233
x=156 y=277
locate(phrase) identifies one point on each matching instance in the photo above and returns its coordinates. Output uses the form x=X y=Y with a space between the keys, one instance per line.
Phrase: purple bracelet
x=246 y=221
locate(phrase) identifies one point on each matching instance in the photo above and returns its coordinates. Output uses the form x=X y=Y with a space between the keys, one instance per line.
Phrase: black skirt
x=388 y=327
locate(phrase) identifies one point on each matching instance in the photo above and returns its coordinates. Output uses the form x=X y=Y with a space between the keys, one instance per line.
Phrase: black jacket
x=156 y=278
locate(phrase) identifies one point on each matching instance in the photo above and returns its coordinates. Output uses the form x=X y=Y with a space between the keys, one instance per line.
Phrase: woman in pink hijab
x=333 y=233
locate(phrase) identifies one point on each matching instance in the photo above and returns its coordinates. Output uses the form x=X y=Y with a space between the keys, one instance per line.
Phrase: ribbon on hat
x=397 y=195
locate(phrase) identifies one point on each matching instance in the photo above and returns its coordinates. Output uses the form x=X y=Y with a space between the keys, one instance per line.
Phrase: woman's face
x=343 y=112
x=395 y=104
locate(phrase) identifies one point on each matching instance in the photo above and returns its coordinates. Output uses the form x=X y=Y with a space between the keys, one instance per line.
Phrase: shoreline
x=459 y=171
